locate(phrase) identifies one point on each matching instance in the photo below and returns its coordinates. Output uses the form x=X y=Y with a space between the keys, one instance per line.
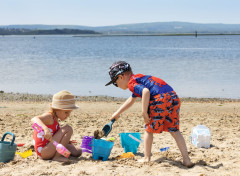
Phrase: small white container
x=200 y=136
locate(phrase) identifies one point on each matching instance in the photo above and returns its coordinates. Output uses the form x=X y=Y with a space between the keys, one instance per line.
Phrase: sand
x=222 y=158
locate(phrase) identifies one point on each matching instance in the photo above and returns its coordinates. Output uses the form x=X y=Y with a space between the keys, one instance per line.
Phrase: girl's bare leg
x=62 y=136
x=75 y=151
x=182 y=147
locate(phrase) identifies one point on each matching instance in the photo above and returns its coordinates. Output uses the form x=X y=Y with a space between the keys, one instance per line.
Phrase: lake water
x=207 y=66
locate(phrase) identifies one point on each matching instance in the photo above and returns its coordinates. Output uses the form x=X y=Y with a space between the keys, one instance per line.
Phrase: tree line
x=6 y=31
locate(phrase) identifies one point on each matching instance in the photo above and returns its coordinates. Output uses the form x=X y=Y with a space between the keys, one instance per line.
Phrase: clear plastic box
x=200 y=136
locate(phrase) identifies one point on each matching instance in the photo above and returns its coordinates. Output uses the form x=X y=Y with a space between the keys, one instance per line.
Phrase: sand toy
x=108 y=128
x=59 y=147
x=101 y=149
x=111 y=139
x=200 y=136
x=126 y=155
x=86 y=147
x=7 y=149
x=20 y=144
x=128 y=143
x=25 y=154
x=164 y=149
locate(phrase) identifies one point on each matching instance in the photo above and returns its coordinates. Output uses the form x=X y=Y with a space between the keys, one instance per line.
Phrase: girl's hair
x=53 y=111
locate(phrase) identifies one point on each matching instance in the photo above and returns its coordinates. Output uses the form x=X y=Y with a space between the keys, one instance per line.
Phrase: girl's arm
x=43 y=120
x=127 y=104
x=145 y=104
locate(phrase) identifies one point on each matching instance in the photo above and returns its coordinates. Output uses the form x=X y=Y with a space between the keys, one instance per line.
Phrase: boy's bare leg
x=148 y=140
x=182 y=147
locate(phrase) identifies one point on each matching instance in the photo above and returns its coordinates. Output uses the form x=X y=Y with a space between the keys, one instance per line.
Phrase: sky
x=114 y=12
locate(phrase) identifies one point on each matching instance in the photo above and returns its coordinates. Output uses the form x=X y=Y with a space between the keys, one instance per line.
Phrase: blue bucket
x=101 y=149
x=7 y=149
x=128 y=143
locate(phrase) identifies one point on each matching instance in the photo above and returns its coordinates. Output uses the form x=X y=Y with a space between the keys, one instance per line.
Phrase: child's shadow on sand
x=74 y=160
x=139 y=154
x=203 y=163
x=180 y=165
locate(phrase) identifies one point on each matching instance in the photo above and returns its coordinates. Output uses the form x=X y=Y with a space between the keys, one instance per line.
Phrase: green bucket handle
x=10 y=134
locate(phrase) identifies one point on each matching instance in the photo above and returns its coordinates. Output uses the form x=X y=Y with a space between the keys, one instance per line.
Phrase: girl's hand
x=115 y=116
x=47 y=134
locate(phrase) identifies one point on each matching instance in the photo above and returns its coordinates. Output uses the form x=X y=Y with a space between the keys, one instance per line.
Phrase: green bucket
x=7 y=149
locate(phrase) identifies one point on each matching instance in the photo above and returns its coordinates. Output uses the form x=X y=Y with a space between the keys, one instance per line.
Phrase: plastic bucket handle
x=13 y=139
x=37 y=127
x=136 y=139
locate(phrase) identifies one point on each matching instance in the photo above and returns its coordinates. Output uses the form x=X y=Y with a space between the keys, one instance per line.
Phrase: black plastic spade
x=108 y=128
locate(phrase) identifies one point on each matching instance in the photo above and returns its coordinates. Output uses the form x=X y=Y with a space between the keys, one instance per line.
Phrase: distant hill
x=172 y=27
x=143 y=28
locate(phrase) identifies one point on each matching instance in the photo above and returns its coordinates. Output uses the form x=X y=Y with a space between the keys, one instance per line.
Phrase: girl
x=60 y=109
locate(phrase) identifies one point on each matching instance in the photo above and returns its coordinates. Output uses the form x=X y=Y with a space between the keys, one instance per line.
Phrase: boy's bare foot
x=144 y=160
x=188 y=164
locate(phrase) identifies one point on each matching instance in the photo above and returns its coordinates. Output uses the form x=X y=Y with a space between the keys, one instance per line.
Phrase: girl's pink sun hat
x=63 y=100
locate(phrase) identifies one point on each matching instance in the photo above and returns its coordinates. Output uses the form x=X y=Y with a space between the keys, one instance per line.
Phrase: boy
x=160 y=105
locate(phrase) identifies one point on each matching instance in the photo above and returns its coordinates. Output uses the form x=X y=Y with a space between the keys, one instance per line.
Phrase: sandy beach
x=222 y=158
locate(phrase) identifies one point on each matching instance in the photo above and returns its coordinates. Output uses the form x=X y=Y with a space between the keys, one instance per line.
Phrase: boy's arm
x=127 y=104
x=145 y=104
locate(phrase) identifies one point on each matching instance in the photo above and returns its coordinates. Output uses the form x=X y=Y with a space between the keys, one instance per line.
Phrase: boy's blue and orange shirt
x=155 y=85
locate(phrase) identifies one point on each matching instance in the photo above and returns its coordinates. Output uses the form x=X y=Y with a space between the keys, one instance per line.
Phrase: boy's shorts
x=164 y=113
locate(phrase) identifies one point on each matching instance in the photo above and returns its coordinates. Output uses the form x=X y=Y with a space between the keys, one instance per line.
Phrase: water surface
x=207 y=66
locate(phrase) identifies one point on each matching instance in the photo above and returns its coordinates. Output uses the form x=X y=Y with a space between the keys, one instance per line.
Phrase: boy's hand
x=145 y=104
x=115 y=116
x=146 y=118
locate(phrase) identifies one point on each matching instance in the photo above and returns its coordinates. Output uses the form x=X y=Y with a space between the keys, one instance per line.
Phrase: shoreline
x=26 y=97
x=153 y=34
x=126 y=34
